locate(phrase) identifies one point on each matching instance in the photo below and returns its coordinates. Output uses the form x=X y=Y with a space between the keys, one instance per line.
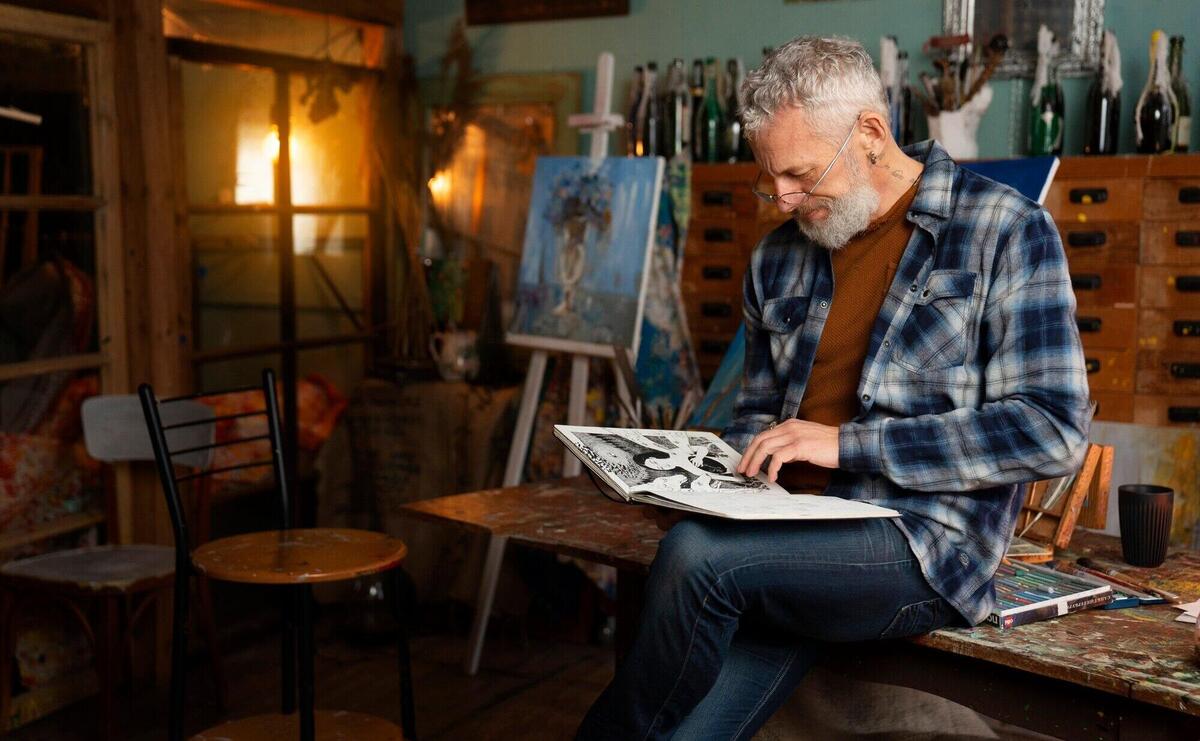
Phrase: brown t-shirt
x=862 y=274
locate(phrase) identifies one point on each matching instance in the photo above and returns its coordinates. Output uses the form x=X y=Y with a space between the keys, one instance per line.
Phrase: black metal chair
x=291 y=558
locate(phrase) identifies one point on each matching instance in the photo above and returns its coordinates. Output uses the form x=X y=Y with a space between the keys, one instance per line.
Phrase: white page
x=774 y=506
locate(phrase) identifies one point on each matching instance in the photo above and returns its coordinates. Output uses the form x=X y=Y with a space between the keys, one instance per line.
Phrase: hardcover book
x=696 y=472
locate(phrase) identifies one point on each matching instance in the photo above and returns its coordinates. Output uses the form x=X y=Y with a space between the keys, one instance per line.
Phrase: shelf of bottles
x=692 y=115
x=1162 y=113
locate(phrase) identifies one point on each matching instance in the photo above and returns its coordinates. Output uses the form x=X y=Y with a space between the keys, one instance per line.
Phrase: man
x=911 y=342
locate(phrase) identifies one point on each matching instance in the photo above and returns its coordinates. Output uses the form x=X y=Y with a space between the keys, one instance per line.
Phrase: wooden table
x=1100 y=674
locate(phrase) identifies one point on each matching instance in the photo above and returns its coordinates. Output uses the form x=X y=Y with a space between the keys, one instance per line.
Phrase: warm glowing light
x=439 y=187
x=270 y=144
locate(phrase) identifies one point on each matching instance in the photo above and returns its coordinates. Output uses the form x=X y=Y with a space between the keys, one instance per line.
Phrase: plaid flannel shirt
x=974 y=380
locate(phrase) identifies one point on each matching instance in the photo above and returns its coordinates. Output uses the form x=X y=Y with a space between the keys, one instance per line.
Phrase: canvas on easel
x=581 y=287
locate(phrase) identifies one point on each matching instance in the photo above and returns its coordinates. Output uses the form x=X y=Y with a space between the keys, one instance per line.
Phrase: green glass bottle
x=1046 y=107
x=709 y=120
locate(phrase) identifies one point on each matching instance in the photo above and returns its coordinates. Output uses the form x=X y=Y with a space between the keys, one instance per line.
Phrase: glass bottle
x=650 y=114
x=1182 y=137
x=677 y=116
x=696 y=85
x=632 y=104
x=708 y=119
x=1103 y=121
x=905 y=122
x=1154 y=117
x=1046 y=109
x=733 y=140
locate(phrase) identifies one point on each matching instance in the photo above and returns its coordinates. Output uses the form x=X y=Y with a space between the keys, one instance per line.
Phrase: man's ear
x=874 y=132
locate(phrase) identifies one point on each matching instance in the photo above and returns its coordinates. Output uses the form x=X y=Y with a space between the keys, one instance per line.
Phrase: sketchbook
x=695 y=472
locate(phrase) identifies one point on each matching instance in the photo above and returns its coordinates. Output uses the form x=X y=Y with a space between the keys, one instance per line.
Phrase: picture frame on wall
x=485 y=12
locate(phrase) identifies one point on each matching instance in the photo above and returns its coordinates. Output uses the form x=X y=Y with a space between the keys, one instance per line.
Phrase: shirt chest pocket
x=783 y=318
x=935 y=335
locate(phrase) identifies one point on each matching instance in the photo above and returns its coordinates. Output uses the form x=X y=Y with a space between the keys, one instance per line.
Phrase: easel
x=598 y=123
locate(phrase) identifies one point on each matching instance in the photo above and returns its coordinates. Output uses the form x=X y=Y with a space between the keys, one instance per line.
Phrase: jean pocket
x=918 y=618
x=935 y=335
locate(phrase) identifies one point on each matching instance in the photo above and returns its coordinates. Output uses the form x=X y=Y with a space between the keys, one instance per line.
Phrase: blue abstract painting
x=582 y=281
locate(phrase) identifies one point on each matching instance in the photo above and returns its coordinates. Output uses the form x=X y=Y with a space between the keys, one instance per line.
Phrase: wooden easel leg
x=576 y=408
x=528 y=410
x=483 y=603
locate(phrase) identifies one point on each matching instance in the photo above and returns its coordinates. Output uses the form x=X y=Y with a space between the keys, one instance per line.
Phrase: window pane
x=330 y=161
x=236 y=261
x=48 y=293
x=230 y=141
x=227 y=374
x=329 y=259
x=48 y=79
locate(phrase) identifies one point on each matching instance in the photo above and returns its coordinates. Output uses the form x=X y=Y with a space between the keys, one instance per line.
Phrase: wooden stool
x=293 y=559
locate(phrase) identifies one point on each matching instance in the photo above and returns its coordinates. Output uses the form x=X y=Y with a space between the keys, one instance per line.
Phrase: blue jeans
x=736 y=613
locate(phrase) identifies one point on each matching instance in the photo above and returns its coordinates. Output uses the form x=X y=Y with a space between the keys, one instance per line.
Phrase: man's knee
x=687 y=554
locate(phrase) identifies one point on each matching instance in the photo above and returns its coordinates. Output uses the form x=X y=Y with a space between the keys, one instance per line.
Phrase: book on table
x=1027 y=592
x=695 y=472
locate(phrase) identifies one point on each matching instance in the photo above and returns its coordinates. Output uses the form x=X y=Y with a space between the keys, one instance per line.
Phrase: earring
x=873 y=157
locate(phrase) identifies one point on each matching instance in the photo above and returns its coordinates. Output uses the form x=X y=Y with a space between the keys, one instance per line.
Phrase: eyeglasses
x=796 y=197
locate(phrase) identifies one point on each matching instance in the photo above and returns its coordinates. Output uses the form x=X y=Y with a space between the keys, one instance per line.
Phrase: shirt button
x=887 y=343
x=925 y=293
x=962 y=558
x=824 y=304
x=866 y=397
x=913 y=288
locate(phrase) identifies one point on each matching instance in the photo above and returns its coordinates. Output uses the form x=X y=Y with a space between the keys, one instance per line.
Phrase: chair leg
x=287 y=657
x=7 y=646
x=306 y=651
x=179 y=624
x=208 y=626
x=483 y=603
x=108 y=662
x=408 y=716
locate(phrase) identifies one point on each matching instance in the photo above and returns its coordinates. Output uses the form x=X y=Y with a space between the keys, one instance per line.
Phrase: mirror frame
x=1080 y=57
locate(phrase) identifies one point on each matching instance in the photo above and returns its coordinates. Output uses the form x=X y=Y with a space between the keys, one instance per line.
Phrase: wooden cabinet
x=1131 y=230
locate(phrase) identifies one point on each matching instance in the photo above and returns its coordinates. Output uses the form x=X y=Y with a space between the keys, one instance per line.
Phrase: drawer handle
x=712 y=309
x=1092 y=365
x=1183 y=414
x=1187 y=283
x=1088 y=323
x=716 y=272
x=717 y=234
x=717 y=198
x=1187 y=239
x=1089 y=195
x=1185 y=370
x=1190 y=194
x=1086 y=239
x=713 y=347
x=1186 y=328
x=1086 y=282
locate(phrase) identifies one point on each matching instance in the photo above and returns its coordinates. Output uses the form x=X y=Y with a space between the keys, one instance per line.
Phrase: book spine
x=1049 y=610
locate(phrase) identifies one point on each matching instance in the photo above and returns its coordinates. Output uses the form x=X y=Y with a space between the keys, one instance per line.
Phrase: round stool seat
x=98 y=569
x=298 y=556
x=331 y=725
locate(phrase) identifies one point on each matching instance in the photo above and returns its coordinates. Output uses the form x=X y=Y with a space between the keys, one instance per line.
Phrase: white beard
x=849 y=215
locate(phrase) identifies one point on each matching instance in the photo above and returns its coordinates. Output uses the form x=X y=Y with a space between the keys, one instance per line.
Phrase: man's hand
x=793 y=440
x=665 y=517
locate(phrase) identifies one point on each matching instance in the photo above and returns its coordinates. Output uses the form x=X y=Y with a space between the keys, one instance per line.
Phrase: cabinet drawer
x=1106 y=328
x=1095 y=199
x=1170 y=287
x=1175 y=411
x=711 y=347
x=1105 y=286
x=1113 y=407
x=713 y=274
x=724 y=197
x=1169 y=329
x=713 y=314
x=1171 y=243
x=1172 y=198
x=728 y=237
x=1110 y=370
x=1168 y=372
x=1111 y=242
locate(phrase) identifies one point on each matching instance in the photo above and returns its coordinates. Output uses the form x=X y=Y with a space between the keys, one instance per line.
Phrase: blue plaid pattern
x=974 y=381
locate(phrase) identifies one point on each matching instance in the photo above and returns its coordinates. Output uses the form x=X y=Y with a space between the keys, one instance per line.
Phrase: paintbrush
x=997 y=48
x=1118 y=578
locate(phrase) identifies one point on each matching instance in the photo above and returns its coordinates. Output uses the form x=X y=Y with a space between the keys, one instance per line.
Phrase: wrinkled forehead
x=787 y=143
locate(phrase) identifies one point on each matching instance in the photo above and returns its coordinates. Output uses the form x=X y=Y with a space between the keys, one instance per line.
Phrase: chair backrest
x=114 y=429
x=170 y=424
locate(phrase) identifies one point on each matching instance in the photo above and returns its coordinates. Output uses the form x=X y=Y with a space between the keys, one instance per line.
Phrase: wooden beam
x=383 y=12
x=55 y=25
x=206 y=52
x=9 y=371
x=51 y=203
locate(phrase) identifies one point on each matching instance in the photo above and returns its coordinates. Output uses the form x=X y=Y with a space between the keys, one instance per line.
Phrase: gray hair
x=831 y=80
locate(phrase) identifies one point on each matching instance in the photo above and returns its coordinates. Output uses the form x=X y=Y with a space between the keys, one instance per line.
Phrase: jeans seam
x=763 y=700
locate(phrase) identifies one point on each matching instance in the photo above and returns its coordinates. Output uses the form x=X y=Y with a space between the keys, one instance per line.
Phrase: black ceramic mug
x=1145 y=512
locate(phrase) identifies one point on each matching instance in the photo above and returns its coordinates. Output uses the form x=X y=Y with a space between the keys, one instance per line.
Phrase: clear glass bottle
x=650 y=134
x=677 y=113
x=631 y=111
x=1103 y=120
x=1154 y=116
x=1182 y=137
x=1046 y=108
x=734 y=145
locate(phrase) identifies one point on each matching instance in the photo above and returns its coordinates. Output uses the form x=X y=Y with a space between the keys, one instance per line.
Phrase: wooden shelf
x=61 y=526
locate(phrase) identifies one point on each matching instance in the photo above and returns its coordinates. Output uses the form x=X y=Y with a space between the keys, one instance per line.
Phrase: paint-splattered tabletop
x=1139 y=653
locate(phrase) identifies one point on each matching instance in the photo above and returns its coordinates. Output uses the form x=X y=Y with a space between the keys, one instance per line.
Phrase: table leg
x=483 y=603
x=108 y=661
x=631 y=592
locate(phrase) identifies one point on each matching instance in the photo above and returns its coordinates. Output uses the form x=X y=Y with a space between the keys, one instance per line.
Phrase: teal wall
x=662 y=29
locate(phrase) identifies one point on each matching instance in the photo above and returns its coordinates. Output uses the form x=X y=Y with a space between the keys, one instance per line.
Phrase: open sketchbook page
x=696 y=471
